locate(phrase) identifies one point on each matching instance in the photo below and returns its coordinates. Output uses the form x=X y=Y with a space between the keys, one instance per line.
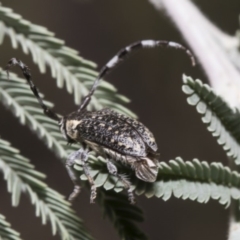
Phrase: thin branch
x=213 y=47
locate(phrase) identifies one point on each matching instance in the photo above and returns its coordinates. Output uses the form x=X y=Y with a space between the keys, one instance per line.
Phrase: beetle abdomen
x=145 y=168
x=119 y=157
x=142 y=130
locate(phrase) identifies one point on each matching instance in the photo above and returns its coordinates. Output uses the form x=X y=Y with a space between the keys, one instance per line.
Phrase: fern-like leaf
x=194 y=180
x=16 y=95
x=6 y=232
x=222 y=121
x=65 y=63
x=50 y=205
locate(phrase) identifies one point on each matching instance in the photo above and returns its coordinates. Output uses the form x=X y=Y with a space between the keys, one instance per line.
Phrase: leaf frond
x=221 y=120
x=17 y=96
x=50 y=206
x=6 y=232
x=194 y=180
x=67 y=67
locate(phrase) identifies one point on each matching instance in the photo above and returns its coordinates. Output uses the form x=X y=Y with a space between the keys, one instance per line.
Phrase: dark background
x=152 y=79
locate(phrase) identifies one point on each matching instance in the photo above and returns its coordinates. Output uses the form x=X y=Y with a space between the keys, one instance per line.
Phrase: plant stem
x=212 y=47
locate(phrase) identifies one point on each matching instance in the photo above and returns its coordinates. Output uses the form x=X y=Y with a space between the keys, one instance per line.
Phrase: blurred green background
x=151 y=79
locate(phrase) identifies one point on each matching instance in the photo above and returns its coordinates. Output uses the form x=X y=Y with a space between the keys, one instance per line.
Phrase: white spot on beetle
x=173 y=44
x=148 y=43
x=128 y=49
x=128 y=146
x=129 y=140
x=137 y=147
x=112 y=62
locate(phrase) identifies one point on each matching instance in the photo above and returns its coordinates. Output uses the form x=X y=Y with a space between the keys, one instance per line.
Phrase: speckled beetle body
x=116 y=136
x=110 y=134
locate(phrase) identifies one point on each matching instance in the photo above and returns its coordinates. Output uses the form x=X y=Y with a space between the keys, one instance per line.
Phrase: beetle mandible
x=110 y=134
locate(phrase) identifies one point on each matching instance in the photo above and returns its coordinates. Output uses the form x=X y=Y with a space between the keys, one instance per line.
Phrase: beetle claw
x=93 y=194
x=75 y=193
x=131 y=197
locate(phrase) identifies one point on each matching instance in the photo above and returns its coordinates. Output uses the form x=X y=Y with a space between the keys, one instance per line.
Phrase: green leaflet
x=6 y=232
x=21 y=176
x=66 y=66
x=194 y=180
x=17 y=96
x=222 y=121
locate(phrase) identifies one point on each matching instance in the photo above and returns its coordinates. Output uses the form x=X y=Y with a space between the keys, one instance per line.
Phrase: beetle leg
x=90 y=180
x=69 y=166
x=113 y=170
x=82 y=155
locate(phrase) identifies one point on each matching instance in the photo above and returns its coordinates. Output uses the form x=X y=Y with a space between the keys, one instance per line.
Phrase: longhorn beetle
x=110 y=134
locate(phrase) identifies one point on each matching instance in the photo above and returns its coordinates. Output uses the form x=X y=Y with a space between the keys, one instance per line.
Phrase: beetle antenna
x=26 y=73
x=125 y=52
